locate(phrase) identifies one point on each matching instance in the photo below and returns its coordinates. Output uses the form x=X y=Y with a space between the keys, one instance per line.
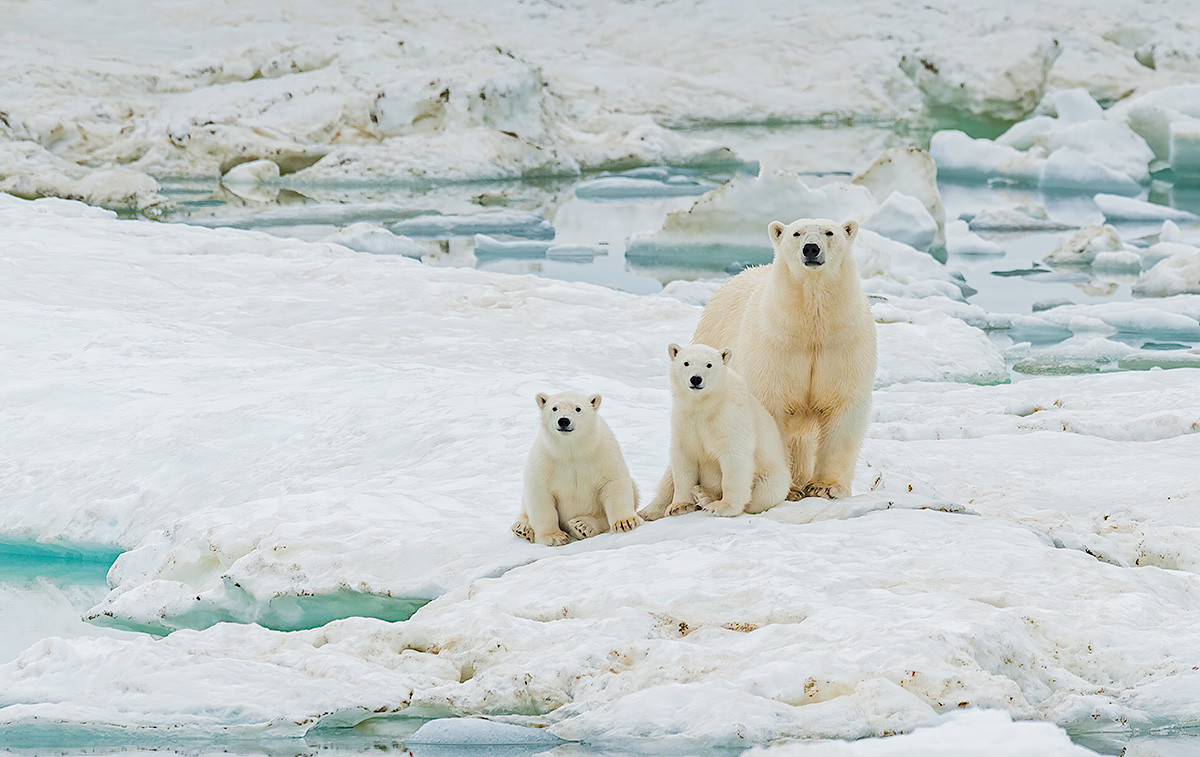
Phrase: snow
x=991 y=734
x=289 y=461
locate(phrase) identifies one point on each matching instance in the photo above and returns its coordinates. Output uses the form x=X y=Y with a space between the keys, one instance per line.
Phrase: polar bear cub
x=727 y=456
x=576 y=481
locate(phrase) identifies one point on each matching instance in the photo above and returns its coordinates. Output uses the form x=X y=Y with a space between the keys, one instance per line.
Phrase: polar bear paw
x=554 y=539
x=796 y=493
x=723 y=508
x=679 y=508
x=627 y=524
x=580 y=528
x=826 y=491
x=522 y=529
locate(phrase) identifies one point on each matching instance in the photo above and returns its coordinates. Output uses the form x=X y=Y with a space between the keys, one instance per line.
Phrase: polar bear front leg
x=837 y=453
x=737 y=482
x=619 y=503
x=543 y=518
x=685 y=473
x=522 y=528
x=586 y=526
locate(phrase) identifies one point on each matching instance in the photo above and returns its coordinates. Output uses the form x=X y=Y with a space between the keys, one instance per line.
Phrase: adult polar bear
x=803 y=339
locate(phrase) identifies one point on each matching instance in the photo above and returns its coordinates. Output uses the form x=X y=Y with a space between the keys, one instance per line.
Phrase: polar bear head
x=811 y=245
x=697 y=369
x=568 y=413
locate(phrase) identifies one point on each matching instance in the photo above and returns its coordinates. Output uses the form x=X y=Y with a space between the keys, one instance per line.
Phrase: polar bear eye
x=685 y=364
x=829 y=233
x=577 y=410
x=795 y=233
x=554 y=409
x=710 y=365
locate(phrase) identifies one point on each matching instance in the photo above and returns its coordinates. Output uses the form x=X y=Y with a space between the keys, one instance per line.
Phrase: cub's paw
x=679 y=508
x=826 y=491
x=703 y=498
x=627 y=524
x=580 y=528
x=554 y=539
x=796 y=493
x=523 y=530
x=651 y=512
x=723 y=508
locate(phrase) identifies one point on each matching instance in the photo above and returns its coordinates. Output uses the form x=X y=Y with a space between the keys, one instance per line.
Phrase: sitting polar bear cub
x=727 y=456
x=804 y=340
x=576 y=481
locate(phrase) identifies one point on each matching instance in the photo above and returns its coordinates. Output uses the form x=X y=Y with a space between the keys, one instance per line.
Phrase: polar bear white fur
x=803 y=338
x=576 y=480
x=726 y=453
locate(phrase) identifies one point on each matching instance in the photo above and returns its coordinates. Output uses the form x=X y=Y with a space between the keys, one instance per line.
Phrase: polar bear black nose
x=563 y=423
x=697 y=381
x=811 y=250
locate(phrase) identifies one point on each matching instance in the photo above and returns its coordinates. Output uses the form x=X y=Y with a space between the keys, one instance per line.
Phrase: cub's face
x=697 y=368
x=568 y=414
x=811 y=245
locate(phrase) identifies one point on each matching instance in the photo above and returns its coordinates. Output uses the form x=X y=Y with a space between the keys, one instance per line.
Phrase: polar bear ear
x=725 y=355
x=775 y=231
x=595 y=400
x=542 y=398
x=672 y=350
x=851 y=229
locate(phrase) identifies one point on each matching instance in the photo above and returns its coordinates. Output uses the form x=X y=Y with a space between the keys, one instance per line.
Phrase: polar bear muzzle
x=813 y=255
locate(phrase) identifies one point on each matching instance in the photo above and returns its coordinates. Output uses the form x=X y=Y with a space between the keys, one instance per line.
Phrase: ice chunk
x=1120 y=260
x=516 y=223
x=960 y=240
x=622 y=186
x=958 y=155
x=1076 y=106
x=1078 y=354
x=1184 y=150
x=983 y=733
x=1117 y=208
x=1014 y=219
x=1177 y=274
x=1111 y=145
x=1082 y=247
x=912 y=172
x=1069 y=169
x=693 y=292
x=992 y=79
x=374 y=239
x=730 y=219
x=518 y=249
x=1023 y=135
x=479 y=732
x=251 y=173
x=933 y=346
x=904 y=219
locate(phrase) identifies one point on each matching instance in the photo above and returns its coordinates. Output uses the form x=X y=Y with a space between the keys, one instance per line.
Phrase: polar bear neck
x=830 y=297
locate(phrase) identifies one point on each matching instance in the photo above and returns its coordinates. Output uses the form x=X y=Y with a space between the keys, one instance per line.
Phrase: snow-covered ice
x=276 y=445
